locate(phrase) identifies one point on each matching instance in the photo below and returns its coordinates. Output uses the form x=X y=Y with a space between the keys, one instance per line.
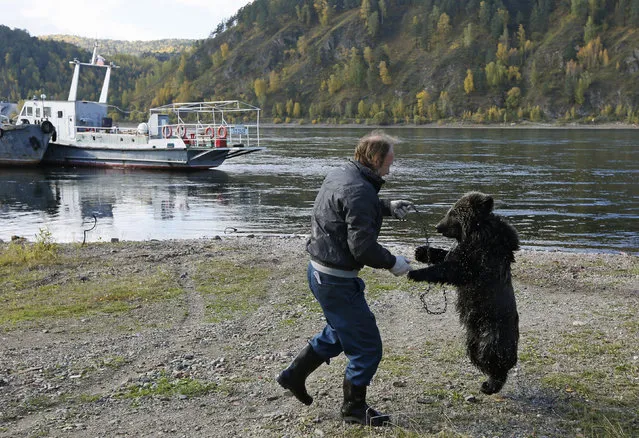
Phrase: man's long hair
x=372 y=149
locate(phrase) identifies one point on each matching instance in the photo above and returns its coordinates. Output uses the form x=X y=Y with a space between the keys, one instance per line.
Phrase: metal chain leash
x=422 y=296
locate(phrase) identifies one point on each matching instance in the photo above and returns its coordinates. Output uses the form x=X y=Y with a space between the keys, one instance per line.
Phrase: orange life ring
x=181 y=131
x=221 y=131
x=209 y=131
x=167 y=131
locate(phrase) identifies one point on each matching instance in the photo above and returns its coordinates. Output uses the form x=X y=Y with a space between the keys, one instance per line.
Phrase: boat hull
x=142 y=158
x=23 y=145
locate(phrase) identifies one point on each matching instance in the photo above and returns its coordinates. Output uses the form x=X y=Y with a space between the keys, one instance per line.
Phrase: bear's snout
x=446 y=229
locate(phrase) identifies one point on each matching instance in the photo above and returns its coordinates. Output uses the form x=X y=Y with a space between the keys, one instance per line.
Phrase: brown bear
x=479 y=267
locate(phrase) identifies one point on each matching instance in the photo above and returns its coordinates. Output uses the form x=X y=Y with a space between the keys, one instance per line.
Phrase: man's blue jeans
x=350 y=325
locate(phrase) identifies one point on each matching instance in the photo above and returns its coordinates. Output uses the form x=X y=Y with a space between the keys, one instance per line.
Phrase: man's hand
x=401 y=266
x=399 y=209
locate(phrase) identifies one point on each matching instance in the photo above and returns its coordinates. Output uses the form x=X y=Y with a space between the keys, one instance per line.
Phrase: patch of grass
x=567 y=383
x=76 y=298
x=602 y=421
x=587 y=344
x=397 y=364
x=43 y=251
x=231 y=288
x=451 y=352
x=39 y=402
x=378 y=282
x=531 y=355
x=88 y=398
x=165 y=387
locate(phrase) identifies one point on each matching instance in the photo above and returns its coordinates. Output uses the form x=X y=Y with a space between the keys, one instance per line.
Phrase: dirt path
x=197 y=356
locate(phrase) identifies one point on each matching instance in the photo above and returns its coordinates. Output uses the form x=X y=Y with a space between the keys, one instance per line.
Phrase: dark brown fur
x=479 y=266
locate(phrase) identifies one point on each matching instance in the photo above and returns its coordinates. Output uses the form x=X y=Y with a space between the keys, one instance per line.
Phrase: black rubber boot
x=356 y=410
x=294 y=377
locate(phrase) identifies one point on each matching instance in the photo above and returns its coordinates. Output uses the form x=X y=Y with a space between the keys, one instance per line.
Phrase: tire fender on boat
x=47 y=127
x=221 y=131
x=167 y=131
x=209 y=131
x=181 y=131
x=1 y=132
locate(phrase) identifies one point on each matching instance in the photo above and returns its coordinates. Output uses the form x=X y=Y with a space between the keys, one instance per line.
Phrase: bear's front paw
x=421 y=254
x=418 y=275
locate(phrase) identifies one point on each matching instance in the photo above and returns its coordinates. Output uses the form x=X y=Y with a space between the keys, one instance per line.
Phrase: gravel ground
x=201 y=362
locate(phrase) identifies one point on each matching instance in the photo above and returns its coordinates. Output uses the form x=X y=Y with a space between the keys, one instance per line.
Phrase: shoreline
x=303 y=237
x=457 y=125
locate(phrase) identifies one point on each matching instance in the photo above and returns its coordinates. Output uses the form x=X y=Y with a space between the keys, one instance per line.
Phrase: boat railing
x=218 y=135
x=107 y=130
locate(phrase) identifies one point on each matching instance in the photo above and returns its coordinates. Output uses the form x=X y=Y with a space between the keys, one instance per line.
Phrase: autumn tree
x=289 y=107
x=335 y=83
x=469 y=83
x=365 y=9
x=496 y=73
x=444 y=104
x=224 y=51
x=260 y=88
x=423 y=99
x=444 y=28
x=274 y=83
x=384 y=74
x=513 y=98
x=323 y=10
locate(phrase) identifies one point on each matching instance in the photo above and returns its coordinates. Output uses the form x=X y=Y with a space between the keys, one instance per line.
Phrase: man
x=345 y=225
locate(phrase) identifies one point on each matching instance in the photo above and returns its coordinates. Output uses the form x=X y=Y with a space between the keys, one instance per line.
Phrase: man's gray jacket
x=347 y=218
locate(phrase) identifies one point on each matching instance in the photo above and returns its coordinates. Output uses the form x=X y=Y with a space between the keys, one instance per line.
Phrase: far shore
x=446 y=125
x=457 y=125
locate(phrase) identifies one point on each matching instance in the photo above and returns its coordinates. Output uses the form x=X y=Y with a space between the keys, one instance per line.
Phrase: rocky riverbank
x=184 y=338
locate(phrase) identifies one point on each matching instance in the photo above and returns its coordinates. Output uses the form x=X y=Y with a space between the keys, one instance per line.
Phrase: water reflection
x=24 y=191
x=564 y=189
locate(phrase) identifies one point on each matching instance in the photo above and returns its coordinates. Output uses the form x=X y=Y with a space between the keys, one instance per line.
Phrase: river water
x=563 y=189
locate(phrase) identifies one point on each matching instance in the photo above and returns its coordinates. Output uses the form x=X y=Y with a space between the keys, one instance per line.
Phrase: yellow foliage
x=224 y=50
x=502 y=53
x=469 y=83
x=274 y=83
x=384 y=74
x=513 y=73
x=423 y=99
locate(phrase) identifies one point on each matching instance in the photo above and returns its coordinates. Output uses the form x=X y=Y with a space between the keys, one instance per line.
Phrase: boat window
x=59 y=114
x=37 y=112
x=29 y=111
x=47 y=111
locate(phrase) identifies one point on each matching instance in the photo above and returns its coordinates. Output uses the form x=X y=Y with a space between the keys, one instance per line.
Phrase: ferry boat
x=24 y=144
x=192 y=135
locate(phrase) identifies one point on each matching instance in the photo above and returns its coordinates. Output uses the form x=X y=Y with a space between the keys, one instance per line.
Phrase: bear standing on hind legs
x=479 y=266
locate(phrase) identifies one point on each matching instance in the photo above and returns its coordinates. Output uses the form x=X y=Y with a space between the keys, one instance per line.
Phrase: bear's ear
x=486 y=204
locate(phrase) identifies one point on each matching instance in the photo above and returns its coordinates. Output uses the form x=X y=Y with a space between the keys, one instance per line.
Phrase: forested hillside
x=30 y=67
x=393 y=61
x=162 y=49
